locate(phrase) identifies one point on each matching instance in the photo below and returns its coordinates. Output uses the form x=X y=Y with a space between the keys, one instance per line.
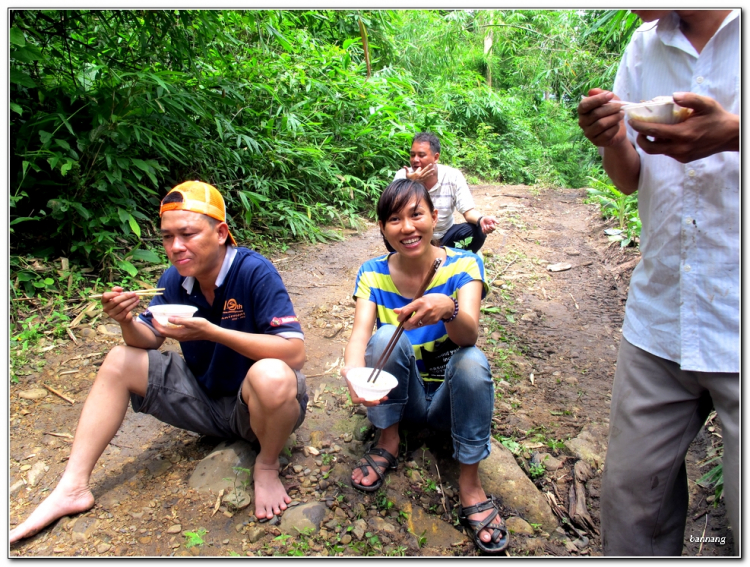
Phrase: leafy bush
x=280 y=110
x=618 y=205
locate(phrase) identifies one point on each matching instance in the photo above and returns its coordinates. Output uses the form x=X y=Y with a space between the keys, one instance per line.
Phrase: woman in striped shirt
x=444 y=380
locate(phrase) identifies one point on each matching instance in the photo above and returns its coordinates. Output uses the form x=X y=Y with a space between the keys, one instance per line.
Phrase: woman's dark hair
x=399 y=194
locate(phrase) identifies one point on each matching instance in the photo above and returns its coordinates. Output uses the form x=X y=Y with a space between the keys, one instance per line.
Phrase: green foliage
x=618 y=205
x=536 y=470
x=195 y=538
x=715 y=475
x=511 y=444
x=111 y=108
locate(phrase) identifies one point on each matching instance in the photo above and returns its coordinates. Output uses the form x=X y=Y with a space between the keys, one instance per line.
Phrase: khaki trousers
x=657 y=410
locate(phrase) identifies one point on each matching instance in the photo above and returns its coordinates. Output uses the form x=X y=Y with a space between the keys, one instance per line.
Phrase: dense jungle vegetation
x=300 y=117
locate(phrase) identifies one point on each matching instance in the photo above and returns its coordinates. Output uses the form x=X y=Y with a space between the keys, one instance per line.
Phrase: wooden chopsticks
x=400 y=329
x=139 y=292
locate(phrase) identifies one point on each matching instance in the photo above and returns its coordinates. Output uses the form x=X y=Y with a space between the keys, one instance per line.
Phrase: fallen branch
x=577 y=496
x=65 y=435
x=512 y=195
x=501 y=272
x=442 y=492
x=218 y=502
x=700 y=549
x=72 y=336
x=574 y=299
x=59 y=394
x=69 y=372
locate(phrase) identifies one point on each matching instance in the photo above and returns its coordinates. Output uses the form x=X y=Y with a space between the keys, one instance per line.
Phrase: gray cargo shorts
x=175 y=397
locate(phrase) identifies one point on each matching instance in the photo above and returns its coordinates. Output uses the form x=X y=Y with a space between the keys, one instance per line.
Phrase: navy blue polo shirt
x=250 y=297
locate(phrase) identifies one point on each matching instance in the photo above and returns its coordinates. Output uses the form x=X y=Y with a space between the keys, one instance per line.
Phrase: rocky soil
x=550 y=327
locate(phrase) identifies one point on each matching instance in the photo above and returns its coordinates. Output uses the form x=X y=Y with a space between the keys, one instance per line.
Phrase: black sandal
x=379 y=468
x=498 y=530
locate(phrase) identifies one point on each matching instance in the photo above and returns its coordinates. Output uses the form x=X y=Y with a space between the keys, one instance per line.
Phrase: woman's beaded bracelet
x=455 y=311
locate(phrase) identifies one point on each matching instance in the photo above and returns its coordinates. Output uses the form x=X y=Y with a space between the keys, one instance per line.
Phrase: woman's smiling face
x=409 y=230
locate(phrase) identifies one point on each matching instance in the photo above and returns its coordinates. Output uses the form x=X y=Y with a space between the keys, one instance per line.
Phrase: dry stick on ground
x=59 y=394
x=71 y=335
x=578 y=512
x=501 y=272
x=442 y=492
x=574 y=299
x=700 y=549
x=65 y=435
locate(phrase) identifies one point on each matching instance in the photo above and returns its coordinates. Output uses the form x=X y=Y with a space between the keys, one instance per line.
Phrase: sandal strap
x=497 y=529
x=391 y=459
x=478 y=507
x=378 y=468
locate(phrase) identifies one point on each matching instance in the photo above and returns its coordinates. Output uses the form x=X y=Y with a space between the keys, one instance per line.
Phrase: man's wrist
x=732 y=129
x=479 y=221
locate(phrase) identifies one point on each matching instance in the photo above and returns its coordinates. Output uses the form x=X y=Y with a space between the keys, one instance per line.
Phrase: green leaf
x=134 y=226
x=146 y=256
x=128 y=267
x=53 y=160
x=21 y=219
x=66 y=167
x=67 y=124
x=142 y=165
x=81 y=209
x=17 y=37
x=20 y=78
x=63 y=144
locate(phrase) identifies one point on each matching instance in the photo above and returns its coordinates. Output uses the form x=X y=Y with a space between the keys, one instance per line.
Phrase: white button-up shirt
x=451 y=192
x=683 y=303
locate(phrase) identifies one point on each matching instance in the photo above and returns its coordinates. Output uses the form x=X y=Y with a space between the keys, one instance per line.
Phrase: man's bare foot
x=61 y=502
x=270 y=496
x=389 y=440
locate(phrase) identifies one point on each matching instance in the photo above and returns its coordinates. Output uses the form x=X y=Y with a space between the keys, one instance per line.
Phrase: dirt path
x=551 y=337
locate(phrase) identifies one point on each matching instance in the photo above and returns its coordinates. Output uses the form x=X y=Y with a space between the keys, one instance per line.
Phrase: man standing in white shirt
x=449 y=192
x=679 y=356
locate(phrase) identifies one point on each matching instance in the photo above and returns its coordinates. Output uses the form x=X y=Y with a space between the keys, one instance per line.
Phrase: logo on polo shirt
x=278 y=321
x=232 y=310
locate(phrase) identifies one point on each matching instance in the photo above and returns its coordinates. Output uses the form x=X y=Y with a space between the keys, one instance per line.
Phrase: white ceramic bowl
x=662 y=110
x=162 y=313
x=374 y=390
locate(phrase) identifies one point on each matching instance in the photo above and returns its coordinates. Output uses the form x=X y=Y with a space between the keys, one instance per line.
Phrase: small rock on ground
x=303 y=517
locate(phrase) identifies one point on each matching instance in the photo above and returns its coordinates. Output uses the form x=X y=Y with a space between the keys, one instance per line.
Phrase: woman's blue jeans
x=462 y=404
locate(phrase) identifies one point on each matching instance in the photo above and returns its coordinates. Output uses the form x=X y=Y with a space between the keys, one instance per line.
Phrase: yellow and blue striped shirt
x=432 y=346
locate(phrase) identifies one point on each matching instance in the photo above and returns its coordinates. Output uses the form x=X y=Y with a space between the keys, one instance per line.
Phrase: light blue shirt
x=683 y=302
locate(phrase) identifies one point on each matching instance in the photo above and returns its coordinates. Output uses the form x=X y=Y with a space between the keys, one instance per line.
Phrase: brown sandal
x=498 y=530
x=379 y=468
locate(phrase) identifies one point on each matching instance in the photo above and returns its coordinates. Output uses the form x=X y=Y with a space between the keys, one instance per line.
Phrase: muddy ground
x=552 y=339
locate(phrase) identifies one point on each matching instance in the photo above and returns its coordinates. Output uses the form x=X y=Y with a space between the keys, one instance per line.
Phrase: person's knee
x=125 y=364
x=272 y=382
x=468 y=364
x=381 y=337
